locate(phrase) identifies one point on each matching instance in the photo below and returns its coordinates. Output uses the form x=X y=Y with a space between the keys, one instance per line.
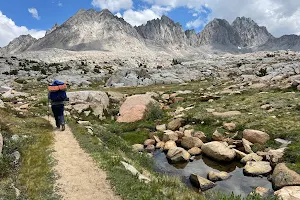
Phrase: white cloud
x=60 y=4
x=119 y=15
x=34 y=13
x=9 y=30
x=195 y=24
x=113 y=5
x=136 y=18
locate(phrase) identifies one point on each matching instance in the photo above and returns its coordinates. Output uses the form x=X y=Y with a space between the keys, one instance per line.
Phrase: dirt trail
x=79 y=178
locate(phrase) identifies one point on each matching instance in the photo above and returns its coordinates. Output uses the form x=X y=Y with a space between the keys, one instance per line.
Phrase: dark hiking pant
x=58 y=112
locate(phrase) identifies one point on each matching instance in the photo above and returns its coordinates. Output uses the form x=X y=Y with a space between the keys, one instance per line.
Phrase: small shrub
x=176 y=62
x=153 y=112
x=262 y=72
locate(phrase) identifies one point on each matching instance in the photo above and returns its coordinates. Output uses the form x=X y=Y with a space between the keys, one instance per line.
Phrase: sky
x=20 y=17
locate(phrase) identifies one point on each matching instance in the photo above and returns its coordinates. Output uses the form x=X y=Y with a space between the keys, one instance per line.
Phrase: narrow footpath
x=79 y=178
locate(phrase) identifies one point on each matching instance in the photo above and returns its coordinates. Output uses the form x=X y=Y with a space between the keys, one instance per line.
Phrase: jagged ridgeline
x=103 y=31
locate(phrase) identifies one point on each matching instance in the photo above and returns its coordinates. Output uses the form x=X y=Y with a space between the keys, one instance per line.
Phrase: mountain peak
x=250 y=33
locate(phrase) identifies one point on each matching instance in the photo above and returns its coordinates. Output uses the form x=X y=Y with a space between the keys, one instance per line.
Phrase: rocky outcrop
x=219 y=31
x=250 y=33
x=285 y=42
x=92 y=30
x=218 y=151
x=134 y=108
x=19 y=44
x=97 y=101
x=52 y=29
x=192 y=37
x=283 y=176
x=163 y=31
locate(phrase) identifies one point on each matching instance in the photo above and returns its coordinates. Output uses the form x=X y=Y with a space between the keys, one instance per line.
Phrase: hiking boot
x=63 y=127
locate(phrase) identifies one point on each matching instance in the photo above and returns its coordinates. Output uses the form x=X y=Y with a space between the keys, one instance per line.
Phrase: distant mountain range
x=90 y=30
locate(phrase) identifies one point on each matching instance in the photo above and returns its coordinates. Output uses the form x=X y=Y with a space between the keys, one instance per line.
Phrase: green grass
x=34 y=175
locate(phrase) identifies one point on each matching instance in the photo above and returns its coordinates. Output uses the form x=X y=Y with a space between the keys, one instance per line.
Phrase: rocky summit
x=91 y=30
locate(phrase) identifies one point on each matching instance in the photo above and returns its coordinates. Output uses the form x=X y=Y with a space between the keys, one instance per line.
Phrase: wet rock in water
x=247 y=146
x=134 y=108
x=177 y=155
x=229 y=126
x=289 y=193
x=161 y=128
x=137 y=147
x=160 y=145
x=251 y=157
x=226 y=114
x=257 y=168
x=1 y=143
x=261 y=191
x=215 y=176
x=200 y=135
x=170 y=145
x=195 y=151
x=283 y=176
x=170 y=135
x=149 y=142
x=150 y=148
x=175 y=124
x=190 y=142
x=218 y=151
x=256 y=136
x=240 y=155
x=201 y=182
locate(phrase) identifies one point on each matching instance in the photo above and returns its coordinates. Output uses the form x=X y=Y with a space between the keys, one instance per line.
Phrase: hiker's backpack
x=57 y=91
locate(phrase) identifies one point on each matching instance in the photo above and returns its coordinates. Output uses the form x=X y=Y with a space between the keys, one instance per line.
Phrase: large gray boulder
x=96 y=100
x=283 y=176
x=218 y=151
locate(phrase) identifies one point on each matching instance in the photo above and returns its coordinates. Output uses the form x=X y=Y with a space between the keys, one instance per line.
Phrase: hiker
x=57 y=95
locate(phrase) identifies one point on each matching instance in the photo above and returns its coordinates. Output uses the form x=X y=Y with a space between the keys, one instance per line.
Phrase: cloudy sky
x=35 y=16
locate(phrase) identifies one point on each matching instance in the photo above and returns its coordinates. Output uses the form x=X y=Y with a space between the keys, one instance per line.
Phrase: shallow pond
x=238 y=183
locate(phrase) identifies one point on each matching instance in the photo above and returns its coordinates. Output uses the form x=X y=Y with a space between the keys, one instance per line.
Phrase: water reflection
x=238 y=183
